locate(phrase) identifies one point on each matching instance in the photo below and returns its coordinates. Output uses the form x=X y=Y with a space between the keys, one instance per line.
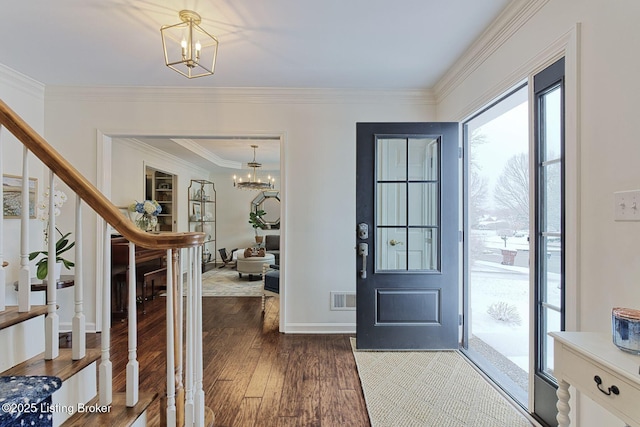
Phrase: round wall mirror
x=269 y=202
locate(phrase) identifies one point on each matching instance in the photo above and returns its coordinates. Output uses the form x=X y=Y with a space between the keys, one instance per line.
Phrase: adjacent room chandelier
x=253 y=182
x=189 y=49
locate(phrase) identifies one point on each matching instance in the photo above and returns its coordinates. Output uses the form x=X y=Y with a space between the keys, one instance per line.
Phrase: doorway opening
x=169 y=153
x=496 y=336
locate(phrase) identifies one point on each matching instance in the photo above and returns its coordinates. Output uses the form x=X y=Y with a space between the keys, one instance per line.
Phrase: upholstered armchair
x=270 y=281
x=272 y=245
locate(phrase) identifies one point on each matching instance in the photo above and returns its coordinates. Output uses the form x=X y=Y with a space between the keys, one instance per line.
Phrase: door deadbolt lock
x=363 y=231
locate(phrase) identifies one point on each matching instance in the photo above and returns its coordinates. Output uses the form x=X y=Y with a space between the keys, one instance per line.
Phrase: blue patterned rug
x=26 y=400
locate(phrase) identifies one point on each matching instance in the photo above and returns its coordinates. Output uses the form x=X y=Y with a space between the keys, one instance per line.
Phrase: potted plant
x=62 y=245
x=256 y=222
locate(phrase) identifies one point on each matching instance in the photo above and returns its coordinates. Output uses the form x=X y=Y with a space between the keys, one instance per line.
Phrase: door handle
x=394 y=242
x=363 y=250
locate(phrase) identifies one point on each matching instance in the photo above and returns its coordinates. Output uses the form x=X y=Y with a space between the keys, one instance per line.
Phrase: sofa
x=272 y=246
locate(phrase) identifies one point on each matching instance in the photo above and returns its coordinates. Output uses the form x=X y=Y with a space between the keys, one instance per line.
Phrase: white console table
x=591 y=363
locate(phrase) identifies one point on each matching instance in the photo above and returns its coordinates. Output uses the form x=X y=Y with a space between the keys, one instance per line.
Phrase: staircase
x=29 y=334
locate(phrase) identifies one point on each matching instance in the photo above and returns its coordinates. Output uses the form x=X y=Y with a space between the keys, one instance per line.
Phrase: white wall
x=608 y=258
x=318 y=163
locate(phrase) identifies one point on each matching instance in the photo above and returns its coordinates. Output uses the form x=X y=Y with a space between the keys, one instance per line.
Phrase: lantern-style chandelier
x=189 y=49
x=253 y=182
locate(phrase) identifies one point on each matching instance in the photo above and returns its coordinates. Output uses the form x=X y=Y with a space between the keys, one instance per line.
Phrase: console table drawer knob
x=611 y=390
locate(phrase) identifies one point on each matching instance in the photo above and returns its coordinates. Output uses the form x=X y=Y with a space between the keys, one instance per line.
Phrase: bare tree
x=478 y=185
x=512 y=189
x=477 y=193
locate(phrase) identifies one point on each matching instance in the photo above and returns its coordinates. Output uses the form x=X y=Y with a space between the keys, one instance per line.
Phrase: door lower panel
x=408 y=306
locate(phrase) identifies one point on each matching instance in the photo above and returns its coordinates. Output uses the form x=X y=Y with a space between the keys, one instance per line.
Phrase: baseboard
x=319 y=328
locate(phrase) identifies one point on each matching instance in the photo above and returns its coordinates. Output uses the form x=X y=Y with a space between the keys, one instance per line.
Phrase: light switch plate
x=627 y=205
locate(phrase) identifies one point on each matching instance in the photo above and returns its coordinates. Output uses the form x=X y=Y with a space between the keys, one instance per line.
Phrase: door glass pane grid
x=550 y=271
x=552 y=134
x=552 y=197
x=407 y=203
x=391 y=253
x=423 y=248
x=392 y=204
x=550 y=201
x=391 y=159
x=423 y=159
x=424 y=206
x=551 y=321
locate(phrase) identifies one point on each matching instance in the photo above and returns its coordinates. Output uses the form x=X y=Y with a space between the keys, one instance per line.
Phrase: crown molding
x=145 y=148
x=254 y=95
x=16 y=80
x=196 y=148
x=512 y=18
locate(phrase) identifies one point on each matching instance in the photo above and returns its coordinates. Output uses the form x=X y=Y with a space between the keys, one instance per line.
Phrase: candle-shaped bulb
x=198 y=49
x=183 y=44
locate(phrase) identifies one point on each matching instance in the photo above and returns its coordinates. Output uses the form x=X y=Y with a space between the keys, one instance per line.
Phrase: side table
x=65 y=281
x=591 y=363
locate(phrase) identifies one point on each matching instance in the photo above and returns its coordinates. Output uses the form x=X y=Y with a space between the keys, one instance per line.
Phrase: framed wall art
x=12 y=196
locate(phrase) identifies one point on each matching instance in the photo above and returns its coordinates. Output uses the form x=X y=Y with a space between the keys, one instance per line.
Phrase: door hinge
x=459 y=319
x=460 y=235
x=459 y=152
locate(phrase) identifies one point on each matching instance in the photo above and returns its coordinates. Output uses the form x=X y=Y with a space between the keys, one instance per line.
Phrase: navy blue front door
x=407 y=250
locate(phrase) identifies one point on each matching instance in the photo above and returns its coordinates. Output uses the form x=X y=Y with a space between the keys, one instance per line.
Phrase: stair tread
x=118 y=414
x=63 y=366
x=11 y=316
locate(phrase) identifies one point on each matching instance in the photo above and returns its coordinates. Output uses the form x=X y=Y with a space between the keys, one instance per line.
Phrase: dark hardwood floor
x=253 y=375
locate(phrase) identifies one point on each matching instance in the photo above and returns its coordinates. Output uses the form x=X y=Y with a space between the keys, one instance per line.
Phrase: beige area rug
x=430 y=389
x=225 y=282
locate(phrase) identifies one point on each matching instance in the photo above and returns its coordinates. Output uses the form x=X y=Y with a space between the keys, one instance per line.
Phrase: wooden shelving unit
x=160 y=186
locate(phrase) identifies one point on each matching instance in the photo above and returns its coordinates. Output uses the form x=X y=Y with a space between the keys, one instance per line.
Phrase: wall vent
x=343 y=301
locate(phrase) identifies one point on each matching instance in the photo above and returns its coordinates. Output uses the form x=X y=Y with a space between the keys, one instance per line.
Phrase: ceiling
x=356 y=44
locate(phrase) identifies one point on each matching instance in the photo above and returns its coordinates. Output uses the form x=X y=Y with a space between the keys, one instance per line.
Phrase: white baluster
x=78 y=323
x=132 y=364
x=3 y=279
x=189 y=368
x=171 y=385
x=52 y=322
x=24 y=278
x=180 y=318
x=106 y=370
x=197 y=286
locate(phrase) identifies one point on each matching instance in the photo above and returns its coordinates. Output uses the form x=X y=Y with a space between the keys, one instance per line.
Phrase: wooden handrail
x=88 y=192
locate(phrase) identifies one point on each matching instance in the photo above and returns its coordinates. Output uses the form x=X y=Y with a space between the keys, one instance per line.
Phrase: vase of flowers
x=146 y=214
x=63 y=244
